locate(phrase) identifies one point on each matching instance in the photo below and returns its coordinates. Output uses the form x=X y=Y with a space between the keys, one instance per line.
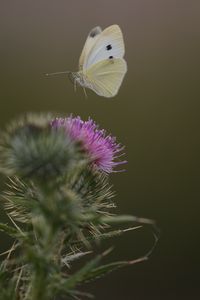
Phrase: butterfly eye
x=108 y=47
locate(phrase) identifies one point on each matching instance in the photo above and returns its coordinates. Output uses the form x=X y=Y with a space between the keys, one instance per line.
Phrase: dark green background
x=155 y=114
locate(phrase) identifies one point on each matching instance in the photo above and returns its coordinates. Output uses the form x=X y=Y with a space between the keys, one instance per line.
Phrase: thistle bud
x=31 y=148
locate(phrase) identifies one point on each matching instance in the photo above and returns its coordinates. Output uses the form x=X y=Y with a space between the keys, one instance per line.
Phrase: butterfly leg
x=75 y=85
x=86 y=96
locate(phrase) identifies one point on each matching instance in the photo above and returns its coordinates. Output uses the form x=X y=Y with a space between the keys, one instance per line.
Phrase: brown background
x=155 y=114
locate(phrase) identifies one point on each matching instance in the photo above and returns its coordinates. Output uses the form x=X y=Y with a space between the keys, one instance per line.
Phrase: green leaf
x=80 y=275
x=108 y=268
x=69 y=258
x=111 y=220
x=104 y=270
x=107 y=235
x=9 y=230
x=7 y=286
x=95 y=273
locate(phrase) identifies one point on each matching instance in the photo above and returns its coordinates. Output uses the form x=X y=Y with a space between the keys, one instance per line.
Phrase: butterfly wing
x=107 y=44
x=90 y=41
x=105 y=77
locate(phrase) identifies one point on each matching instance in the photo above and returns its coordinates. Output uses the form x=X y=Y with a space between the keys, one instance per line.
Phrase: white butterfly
x=101 y=64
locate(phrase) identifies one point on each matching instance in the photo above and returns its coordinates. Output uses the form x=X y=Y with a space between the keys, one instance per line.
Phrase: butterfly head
x=72 y=76
x=77 y=78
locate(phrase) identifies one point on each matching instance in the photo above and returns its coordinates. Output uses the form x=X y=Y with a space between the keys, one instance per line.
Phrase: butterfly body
x=79 y=78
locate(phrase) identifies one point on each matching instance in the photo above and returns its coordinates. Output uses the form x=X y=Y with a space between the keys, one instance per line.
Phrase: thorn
x=132 y=228
x=138 y=260
x=107 y=251
x=9 y=216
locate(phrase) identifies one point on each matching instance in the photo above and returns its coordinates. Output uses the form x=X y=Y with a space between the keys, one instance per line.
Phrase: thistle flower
x=102 y=149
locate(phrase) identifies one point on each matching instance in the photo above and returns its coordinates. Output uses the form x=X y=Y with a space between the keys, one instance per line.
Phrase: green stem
x=43 y=259
x=39 y=286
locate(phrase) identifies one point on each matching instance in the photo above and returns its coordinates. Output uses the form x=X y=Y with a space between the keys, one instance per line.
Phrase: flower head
x=31 y=149
x=101 y=148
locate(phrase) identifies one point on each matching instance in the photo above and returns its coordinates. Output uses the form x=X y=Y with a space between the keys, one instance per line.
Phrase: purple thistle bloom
x=102 y=149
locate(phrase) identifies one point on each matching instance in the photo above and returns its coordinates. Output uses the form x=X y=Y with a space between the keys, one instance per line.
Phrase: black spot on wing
x=95 y=31
x=108 y=47
x=110 y=57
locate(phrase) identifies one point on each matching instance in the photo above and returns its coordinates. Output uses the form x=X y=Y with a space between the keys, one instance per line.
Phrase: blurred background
x=155 y=114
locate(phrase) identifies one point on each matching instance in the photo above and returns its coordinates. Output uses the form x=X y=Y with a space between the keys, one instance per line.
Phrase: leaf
x=82 y=275
x=15 y=232
x=7 y=286
x=8 y=230
x=104 y=270
x=108 y=268
x=69 y=258
x=111 y=220
x=107 y=235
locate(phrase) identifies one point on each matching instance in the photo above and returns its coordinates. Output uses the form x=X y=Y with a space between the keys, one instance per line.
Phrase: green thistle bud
x=31 y=148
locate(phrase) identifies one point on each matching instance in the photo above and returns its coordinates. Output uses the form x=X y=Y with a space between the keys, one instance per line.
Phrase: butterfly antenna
x=57 y=73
